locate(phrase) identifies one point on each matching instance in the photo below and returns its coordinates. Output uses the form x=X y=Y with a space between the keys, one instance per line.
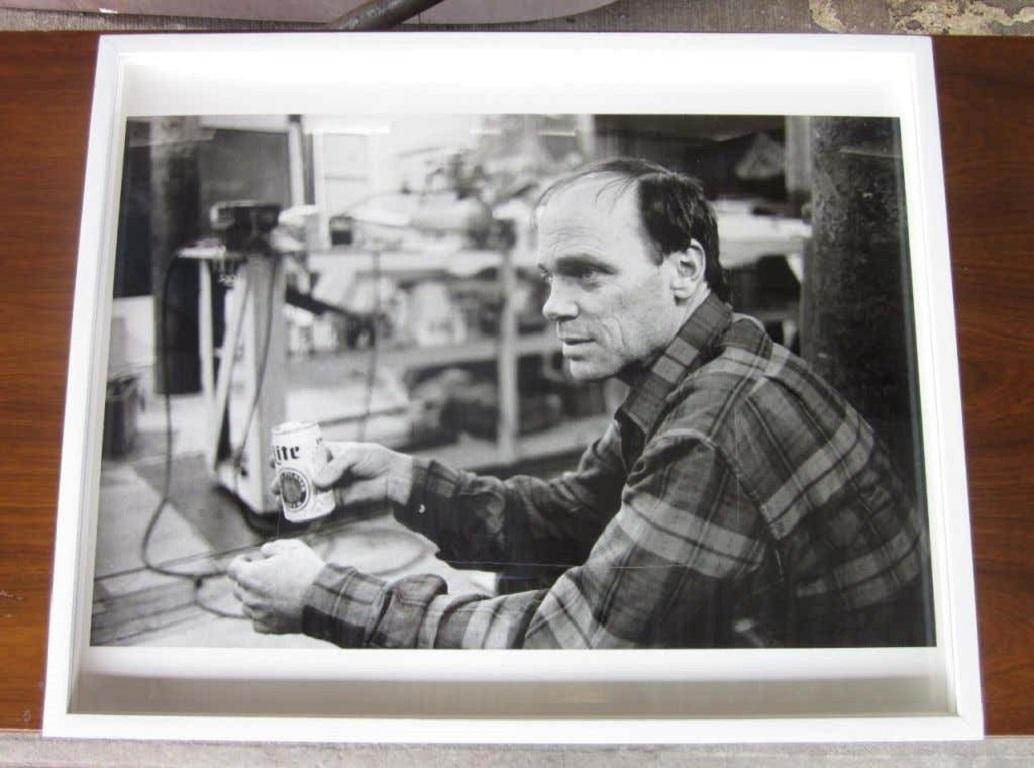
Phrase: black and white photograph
x=512 y=381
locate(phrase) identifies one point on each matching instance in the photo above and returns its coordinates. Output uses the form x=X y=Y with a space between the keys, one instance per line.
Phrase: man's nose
x=558 y=306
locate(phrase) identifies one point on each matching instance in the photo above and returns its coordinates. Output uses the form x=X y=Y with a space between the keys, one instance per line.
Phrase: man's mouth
x=573 y=347
x=570 y=341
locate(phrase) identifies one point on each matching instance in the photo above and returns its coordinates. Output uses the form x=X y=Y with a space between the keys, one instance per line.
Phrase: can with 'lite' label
x=299 y=455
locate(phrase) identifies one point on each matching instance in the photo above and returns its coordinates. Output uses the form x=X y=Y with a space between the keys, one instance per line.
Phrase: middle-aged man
x=734 y=500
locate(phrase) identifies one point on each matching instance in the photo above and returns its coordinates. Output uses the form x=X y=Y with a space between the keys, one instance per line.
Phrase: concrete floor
x=23 y=749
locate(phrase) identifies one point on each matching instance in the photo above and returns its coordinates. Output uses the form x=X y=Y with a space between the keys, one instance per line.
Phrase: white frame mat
x=516 y=696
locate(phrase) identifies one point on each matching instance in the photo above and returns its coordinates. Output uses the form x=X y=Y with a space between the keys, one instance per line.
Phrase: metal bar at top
x=380 y=14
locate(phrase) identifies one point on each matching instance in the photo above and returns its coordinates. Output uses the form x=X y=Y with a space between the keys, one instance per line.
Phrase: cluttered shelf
x=416 y=307
x=458 y=262
x=445 y=411
x=332 y=366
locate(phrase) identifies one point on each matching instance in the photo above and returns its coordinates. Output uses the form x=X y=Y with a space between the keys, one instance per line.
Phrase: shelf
x=471 y=453
x=330 y=368
x=459 y=263
x=339 y=267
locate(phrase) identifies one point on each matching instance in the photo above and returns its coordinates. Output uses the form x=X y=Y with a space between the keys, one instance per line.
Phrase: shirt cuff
x=343 y=605
x=434 y=486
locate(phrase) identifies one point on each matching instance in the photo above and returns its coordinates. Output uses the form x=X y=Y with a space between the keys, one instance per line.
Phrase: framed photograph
x=513 y=388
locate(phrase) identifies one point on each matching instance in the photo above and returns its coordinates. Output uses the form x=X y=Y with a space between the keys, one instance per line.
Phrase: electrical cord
x=328 y=527
x=167 y=481
x=215 y=610
x=200 y=576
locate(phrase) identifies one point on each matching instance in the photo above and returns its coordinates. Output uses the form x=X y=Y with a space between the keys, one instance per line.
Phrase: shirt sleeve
x=487 y=523
x=684 y=528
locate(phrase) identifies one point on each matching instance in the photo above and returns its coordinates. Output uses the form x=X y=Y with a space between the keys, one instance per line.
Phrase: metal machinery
x=244 y=380
x=249 y=366
x=251 y=356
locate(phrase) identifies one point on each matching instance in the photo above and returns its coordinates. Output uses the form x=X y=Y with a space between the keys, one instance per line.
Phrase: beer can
x=298 y=456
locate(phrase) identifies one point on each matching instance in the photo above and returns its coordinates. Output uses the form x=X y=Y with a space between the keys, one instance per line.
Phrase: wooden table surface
x=986 y=91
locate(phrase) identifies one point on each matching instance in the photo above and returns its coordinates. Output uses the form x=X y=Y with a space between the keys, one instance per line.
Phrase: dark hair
x=672 y=208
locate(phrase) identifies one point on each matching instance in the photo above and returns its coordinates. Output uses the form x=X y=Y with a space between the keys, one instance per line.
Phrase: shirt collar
x=650 y=388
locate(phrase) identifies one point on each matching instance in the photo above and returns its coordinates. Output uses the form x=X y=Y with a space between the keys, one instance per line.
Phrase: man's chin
x=584 y=371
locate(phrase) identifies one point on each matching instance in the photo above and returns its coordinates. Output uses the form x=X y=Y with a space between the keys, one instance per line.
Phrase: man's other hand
x=272 y=586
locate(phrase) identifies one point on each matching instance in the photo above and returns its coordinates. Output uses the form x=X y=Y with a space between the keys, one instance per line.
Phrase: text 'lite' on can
x=298 y=456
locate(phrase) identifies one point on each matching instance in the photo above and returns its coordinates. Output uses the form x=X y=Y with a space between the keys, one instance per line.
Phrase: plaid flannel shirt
x=734 y=500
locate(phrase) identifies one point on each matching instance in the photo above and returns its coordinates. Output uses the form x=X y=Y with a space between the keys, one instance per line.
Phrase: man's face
x=612 y=303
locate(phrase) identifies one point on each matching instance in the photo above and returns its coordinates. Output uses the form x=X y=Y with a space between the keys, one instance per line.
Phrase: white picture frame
x=675 y=696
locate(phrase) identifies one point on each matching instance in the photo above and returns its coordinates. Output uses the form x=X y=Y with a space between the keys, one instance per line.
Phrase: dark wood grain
x=986 y=91
x=986 y=94
x=45 y=91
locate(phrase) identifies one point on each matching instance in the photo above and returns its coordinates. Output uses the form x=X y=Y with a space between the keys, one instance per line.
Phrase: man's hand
x=365 y=473
x=272 y=587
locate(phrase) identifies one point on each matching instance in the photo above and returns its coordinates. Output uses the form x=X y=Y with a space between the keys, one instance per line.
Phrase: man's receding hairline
x=628 y=185
x=617 y=179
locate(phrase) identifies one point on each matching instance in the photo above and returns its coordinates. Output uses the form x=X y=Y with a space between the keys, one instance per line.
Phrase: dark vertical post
x=856 y=314
x=175 y=222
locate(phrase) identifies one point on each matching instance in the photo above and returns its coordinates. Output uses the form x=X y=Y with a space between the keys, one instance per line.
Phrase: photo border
x=554 y=696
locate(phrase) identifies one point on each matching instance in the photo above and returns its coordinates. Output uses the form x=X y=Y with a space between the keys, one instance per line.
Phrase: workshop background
x=377 y=275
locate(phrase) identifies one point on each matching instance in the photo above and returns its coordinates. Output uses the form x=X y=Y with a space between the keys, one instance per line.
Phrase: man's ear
x=689 y=270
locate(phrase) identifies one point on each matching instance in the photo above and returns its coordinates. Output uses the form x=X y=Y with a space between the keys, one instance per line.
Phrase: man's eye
x=584 y=274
